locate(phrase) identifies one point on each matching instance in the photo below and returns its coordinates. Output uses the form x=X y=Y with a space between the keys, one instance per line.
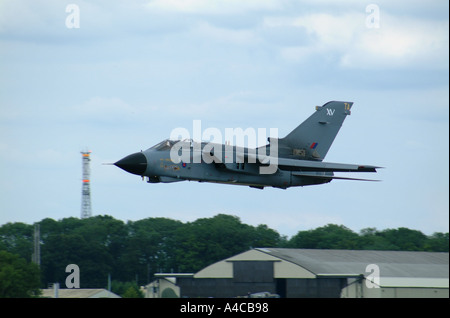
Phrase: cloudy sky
x=131 y=71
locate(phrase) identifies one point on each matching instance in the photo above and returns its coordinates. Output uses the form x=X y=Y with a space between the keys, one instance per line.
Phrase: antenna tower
x=86 y=210
x=36 y=256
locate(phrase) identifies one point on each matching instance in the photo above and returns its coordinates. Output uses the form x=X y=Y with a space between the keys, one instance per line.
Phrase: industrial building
x=299 y=273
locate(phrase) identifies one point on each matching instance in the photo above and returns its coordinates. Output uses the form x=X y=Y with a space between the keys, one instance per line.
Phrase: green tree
x=91 y=257
x=263 y=236
x=438 y=242
x=330 y=236
x=150 y=247
x=18 y=279
x=17 y=238
x=371 y=239
x=404 y=239
x=94 y=244
x=107 y=236
x=126 y=289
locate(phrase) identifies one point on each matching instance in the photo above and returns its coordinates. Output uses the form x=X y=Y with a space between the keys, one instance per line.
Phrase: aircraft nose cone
x=135 y=163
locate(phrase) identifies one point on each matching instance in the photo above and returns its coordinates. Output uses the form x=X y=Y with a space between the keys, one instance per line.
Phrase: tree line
x=105 y=248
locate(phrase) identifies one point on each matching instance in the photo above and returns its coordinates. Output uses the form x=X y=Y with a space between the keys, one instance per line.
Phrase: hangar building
x=296 y=273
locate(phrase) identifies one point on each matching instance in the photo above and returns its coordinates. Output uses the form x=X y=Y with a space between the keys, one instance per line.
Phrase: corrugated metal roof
x=414 y=282
x=79 y=293
x=354 y=262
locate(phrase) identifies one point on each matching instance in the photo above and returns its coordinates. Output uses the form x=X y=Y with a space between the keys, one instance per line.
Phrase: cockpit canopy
x=168 y=144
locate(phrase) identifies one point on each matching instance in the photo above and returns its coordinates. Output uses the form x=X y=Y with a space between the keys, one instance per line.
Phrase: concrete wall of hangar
x=282 y=268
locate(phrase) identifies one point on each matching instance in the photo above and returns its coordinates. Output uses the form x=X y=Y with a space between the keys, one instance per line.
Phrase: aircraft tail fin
x=313 y=138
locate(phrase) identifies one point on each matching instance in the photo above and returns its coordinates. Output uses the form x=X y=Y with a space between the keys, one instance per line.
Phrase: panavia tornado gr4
x=295 y=160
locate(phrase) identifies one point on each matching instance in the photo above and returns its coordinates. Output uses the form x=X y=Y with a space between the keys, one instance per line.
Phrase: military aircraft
x=295 y=160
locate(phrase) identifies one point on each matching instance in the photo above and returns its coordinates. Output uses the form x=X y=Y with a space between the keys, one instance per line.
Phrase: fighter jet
x=295 y=160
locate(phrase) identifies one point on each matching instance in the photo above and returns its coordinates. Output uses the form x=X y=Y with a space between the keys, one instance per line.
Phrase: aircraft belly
x=209 y=173
x=279 y=180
